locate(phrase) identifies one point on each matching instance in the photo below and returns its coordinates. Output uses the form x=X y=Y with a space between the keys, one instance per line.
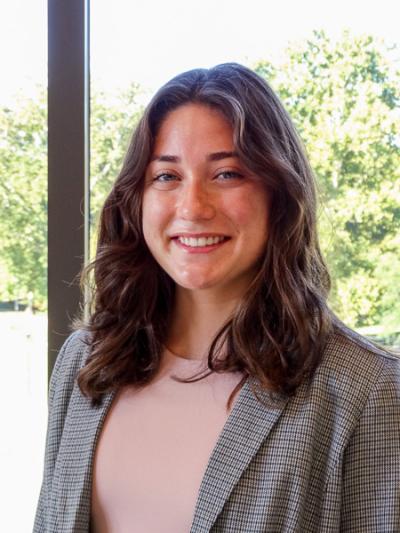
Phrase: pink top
x=154 y=448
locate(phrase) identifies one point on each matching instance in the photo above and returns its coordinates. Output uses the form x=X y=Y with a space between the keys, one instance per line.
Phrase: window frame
x=68 y=164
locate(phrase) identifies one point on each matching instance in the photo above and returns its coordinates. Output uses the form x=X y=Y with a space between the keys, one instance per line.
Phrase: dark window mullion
x=68 y=162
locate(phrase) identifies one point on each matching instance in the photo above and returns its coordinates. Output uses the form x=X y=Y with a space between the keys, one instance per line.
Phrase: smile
x=200 y=241
x=204 y=244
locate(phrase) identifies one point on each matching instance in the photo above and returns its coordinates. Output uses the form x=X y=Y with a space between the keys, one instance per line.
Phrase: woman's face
x=204 y=214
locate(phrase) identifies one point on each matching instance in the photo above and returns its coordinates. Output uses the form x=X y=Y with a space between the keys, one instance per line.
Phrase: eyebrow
x=215 y=156
x=166 y=158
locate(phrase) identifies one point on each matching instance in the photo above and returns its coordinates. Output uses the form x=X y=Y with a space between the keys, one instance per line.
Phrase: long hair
x=278 y=332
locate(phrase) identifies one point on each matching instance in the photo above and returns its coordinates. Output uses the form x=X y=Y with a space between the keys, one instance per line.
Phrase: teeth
x=202 y=241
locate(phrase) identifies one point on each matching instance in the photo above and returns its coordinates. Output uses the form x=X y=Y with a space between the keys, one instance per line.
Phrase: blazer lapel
x=73 y=470
x=246 y=428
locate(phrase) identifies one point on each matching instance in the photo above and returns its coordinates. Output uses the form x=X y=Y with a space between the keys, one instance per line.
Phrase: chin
x=195 y=283
x=196 y=286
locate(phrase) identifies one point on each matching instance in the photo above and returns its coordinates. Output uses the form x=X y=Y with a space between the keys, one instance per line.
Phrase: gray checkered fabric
x=326 y=460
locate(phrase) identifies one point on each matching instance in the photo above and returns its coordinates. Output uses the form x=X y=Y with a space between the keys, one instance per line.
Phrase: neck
x=196 y=319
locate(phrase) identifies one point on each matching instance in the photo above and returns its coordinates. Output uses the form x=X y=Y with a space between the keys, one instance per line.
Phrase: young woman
x=212 y=389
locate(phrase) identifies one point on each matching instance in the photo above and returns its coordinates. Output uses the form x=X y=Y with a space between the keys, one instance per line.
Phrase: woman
x=212 y=389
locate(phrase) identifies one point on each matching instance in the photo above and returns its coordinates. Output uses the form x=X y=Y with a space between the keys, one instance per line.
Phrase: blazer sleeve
x=61 y=384
x=371 y=466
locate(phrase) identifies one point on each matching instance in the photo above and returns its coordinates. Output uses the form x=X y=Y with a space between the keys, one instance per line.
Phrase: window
x=23 y=257
x=336 y=76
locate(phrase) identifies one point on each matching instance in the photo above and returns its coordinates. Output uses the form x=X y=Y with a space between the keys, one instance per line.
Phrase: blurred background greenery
x=344 y=97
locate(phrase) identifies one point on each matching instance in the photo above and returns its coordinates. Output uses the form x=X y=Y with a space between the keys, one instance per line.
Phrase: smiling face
x=204 y=214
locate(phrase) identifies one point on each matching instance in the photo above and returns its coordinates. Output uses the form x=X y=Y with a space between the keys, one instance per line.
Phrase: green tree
x=112 y=122
x=344 y=97
x=23 y=183
x=23 y=200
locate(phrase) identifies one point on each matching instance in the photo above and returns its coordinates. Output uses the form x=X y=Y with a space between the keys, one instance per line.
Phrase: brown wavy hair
x=280 y=328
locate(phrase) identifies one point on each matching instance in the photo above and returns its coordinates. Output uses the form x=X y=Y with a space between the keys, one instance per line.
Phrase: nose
x=195 y=202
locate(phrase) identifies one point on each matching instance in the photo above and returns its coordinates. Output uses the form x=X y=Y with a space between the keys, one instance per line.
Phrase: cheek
x=155 y=219
x=152 y=210
x=149 y=219
x=249 y=210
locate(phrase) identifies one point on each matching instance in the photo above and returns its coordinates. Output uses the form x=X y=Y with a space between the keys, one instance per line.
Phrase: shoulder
x=352 y=399
x=352 y=356
x=73 y=352
x=354 y=371
x=366 y=380
x=70 y=360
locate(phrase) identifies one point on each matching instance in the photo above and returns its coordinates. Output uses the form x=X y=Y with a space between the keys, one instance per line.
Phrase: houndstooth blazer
x=326 y=460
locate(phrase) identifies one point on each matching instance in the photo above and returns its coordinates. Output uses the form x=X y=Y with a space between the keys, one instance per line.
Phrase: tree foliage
x=344 y=97
x=112 y=123
x=23 y=183
x=345 y=100
x=23 y=201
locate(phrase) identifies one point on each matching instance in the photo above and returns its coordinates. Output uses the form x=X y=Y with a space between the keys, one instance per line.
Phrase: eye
x=164 y=177
x=229 y=175
x=165 y=181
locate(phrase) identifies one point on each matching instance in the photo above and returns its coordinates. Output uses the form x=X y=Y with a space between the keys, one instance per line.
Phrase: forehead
x=194 y=125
